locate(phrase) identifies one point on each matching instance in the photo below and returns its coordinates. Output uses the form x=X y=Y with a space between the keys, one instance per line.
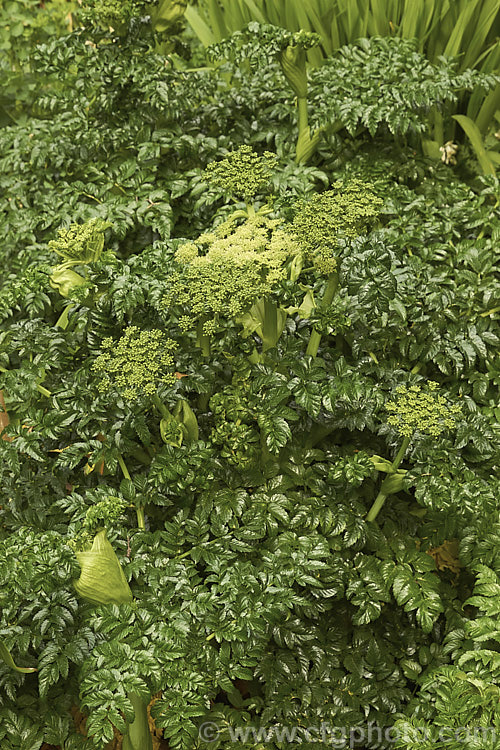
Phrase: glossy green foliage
x=23 y=24
x=394 y=85
x=210 y=498
x=257 y=43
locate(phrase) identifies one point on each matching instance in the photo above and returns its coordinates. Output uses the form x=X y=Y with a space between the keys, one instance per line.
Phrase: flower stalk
x=383 y=495
x=138 y=735
x=330 y=290
x=415 y=409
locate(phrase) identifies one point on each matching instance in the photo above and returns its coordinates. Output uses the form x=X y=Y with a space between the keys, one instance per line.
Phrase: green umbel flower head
x=81 y=243
x=243 y=173
x=422 y=410
x=137 y=363
x=240 y=265
x=114 y=13
x=345 y=211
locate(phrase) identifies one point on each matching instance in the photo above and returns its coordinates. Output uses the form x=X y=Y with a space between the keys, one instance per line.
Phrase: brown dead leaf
x=116 y=743
x=446 y=556
x=4 y=418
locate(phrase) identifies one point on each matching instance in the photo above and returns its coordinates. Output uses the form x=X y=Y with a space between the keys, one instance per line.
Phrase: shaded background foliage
x=262 y=594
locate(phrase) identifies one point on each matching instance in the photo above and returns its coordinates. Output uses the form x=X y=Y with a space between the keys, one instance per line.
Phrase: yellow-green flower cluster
x=81 y=243
x=137 y=363
x=422 y=410
x=305 y=39
x=239 y=265
x=102 y=514
x=114 y=13
x=344 y=211
x=243 y=173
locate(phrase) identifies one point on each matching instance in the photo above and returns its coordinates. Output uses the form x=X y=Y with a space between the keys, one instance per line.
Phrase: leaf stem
x=160 y=406
x=123 y=467
x=62 y=321
x=212 y=635
x=331 y=288
x=489 y=312
x=303 y=117
x=381 y=497
x=141 y=518
x=139 y=509
x=138 y=733
x=306 y=143
x=202 y=340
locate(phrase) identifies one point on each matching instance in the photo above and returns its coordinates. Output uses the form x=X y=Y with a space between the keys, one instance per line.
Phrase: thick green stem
x=381 y=497
x=250 y=210
x=138 y=735
x=331 y=288
x=273 y=323
x=160 y=406
x=489 y=312
x=306 y=143
x=123 y=467
x=62 y=321
x=202 y=340
x=303 y=116
x=141 y=519
x=438 y=126
x=139 y=509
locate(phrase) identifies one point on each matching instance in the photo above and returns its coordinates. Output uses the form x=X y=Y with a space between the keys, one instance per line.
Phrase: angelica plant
x=414 y=411
x=224 y=272
x=294 y=66
x=243 y=174
x=256 y=44
x=114 y=13
x=79 y=245
x=254 y=591
x=137 y=363
x=102 y=514
x=343 y=212
x=102 y=581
